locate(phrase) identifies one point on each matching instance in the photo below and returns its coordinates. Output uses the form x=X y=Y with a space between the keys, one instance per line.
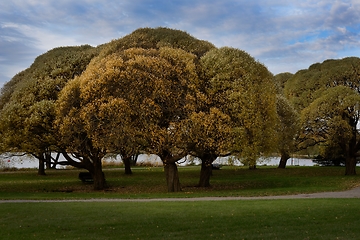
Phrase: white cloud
x=43 y=38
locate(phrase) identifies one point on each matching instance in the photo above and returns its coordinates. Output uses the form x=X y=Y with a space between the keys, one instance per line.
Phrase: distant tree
x=288 y=128
x=288 y=120
x=9 y=87
x=28 y=130
x=280 y=80
x=306 y=86
x=331 y=120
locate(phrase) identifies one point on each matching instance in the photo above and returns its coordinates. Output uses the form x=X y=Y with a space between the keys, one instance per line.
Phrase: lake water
x=30 y=162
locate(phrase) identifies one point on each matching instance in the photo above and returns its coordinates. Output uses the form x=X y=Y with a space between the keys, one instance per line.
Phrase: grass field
x=150 y=183
x=247 y=219
x=241 y=219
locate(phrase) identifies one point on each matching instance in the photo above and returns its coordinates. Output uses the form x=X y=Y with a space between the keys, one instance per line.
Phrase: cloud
x=285 y=35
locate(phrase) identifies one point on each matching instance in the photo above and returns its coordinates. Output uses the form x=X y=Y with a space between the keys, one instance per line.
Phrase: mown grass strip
x=150 y=183
x=256 y=219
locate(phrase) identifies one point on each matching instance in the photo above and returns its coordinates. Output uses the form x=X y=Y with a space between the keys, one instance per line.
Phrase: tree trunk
x=207 y=158
x=172 y=177
x=127 y=163
x=252 y=162
x=283 y=160
x=351 y=149
x=205 y=173
x=98 y=175
x=41 y=170
x=252 y=167
x=48 y=160
x=350 y=166
x=134 y=159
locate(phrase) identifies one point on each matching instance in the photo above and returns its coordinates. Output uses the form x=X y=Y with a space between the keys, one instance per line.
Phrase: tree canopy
x=331 y=120
x=135 y=94
x=155 y=38
x=309 y=84
x=245 y=90
x=27 y=100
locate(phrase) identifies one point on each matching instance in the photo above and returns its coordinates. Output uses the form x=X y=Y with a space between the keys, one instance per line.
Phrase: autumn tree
x=178 y=94
x=129 y=100
x=331 y=120
x=27 y=101
x=71 y=127
x=244 y=90
x=208 y=136
x=308 y=85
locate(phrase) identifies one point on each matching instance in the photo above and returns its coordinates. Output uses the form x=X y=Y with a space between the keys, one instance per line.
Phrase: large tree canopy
x=165 y=92
x=130 y=100
x=164 y=38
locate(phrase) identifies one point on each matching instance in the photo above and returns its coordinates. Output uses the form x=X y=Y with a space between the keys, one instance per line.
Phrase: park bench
x=86 y=177
x=216 y=166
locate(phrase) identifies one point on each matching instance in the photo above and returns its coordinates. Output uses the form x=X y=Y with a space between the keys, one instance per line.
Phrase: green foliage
x=27 y=101
x=280 y=80
x=208 y=133
x=307 y=85
x=244 y=89
x=63 y=62
x=9 y=87
x=288 y=126
x=332 y=119
x=328 y=95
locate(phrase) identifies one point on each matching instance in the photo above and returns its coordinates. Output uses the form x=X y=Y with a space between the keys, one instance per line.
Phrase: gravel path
x=353 y=193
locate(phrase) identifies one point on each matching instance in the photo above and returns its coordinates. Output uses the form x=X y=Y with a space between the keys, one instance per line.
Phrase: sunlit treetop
x=119 y=96
x=156 y=38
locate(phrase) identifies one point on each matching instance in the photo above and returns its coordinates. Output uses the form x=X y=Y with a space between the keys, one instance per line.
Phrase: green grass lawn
x=245 y=219
x=242 y=219
x=150 y=183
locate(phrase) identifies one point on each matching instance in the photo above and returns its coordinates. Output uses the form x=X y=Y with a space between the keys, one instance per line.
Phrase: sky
x=284 y=35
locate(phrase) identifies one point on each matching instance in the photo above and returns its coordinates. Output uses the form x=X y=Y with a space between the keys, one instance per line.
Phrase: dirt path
x=353 y=193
